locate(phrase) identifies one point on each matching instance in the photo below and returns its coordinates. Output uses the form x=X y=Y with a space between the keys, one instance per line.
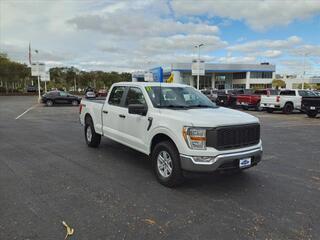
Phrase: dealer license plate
x=245 y=162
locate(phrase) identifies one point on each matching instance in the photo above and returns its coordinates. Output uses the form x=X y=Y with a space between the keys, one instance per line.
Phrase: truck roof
x=145 y=84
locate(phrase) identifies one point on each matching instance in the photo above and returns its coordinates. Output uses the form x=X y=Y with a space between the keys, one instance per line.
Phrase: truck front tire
x=269 y=110
x=92 y=138
x=312 y=113
x=166 y=164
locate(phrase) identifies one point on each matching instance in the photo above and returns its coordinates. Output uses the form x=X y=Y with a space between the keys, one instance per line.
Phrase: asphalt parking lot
x=48 y=174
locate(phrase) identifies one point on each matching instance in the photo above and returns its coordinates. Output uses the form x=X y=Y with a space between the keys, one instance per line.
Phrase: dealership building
x=220 y=76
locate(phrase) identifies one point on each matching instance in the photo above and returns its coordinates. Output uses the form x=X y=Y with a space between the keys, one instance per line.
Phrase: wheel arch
x=160 y=137
x=289 y=102
x=87 y=118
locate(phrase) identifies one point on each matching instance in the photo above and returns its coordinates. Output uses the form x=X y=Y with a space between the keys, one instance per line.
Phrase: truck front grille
x=230 y=137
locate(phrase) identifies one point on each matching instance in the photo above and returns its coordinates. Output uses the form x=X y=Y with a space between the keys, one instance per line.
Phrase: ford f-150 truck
x=252 y=100
x=176 y=125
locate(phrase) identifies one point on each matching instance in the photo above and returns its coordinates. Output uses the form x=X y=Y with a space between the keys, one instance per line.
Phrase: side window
x=116 y=95
x=63 y=94
x=135 y=96
x=288 y=93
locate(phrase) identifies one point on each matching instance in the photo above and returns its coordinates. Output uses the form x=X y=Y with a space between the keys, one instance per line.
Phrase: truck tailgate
x=268 y=99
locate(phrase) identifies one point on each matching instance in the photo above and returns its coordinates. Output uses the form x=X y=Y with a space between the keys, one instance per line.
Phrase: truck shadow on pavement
x=137 y=165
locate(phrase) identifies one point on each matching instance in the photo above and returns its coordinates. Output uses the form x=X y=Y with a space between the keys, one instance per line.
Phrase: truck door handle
x=106 y=112
x=122 y=116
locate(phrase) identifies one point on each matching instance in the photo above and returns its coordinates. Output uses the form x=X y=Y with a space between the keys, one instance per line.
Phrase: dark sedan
x=60 y=97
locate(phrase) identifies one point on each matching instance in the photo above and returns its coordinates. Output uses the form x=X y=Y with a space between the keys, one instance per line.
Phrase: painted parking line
x=30 y=108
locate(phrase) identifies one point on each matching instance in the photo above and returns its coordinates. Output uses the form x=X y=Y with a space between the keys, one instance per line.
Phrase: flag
x=170 y=79
x=30 y=53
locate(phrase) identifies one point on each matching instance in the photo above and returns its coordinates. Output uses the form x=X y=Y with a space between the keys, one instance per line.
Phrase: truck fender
x=163 y=132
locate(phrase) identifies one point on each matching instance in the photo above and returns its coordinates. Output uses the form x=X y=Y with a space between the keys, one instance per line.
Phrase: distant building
x=220 y=76
x=296 y=82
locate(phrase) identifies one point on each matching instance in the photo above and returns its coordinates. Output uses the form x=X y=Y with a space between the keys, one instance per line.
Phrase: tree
x=276 y=83
x=14 y=76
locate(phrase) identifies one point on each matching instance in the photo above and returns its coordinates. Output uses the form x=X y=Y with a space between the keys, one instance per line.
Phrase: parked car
x=177 y=126
x=228 y=97
x=60 y=97
x=212 y=94
x=90 y=94
x=287 y=101
x=252 y=100
x=32 y=88
x=310 y=103
x=102 y=93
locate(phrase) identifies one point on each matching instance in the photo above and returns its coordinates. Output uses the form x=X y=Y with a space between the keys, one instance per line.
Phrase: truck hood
x=210 y=117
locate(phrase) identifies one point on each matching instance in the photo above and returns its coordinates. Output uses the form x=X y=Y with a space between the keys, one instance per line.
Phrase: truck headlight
x=195 y=137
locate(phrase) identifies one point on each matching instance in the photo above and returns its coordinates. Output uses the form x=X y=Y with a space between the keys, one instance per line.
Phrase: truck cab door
x=136 y=125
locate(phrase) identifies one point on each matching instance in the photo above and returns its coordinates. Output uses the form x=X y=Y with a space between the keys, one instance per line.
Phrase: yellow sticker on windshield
x=148 y=89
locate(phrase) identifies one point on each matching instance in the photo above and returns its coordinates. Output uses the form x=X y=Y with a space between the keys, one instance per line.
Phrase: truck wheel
x=92 y=138
x=288 y=108
x=258 y=107
x=270 y=110
x=166 y=164
x=49 y=103
x=312 y=114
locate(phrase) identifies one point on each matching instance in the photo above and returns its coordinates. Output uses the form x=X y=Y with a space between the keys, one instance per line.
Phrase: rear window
x=116 y=95
x=261 y=92
x=304 y=93
x=265 y=92
x=288 y=93
x=206 y=92
x=52 y=94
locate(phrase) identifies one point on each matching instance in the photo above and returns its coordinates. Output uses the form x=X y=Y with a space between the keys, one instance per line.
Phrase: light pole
x=38 y=76
x=198 y=73
x=304 y=69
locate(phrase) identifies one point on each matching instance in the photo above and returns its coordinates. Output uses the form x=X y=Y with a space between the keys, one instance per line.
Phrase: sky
x=112 y=35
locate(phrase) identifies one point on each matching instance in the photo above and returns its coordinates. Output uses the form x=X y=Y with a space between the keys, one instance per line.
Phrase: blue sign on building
x=157 y=74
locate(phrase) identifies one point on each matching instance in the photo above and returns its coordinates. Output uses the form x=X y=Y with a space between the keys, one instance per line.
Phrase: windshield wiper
x=201 y=106
x=174 y=106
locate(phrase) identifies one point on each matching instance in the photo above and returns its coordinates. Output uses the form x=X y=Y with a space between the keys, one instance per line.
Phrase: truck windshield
x=178 y=97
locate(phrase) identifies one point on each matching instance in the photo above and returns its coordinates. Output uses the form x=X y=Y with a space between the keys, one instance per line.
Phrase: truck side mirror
x=139 y=109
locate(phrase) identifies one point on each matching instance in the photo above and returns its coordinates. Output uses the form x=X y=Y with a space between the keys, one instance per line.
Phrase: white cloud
x=258 y=14
x=181 y=43
x=306 y=49
x=124 y=36
x=263 y=44
x=137 y=25
x=232 y=59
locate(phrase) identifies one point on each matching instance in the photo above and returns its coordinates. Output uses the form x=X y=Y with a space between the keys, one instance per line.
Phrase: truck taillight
x=80 y=108
x=278 y=99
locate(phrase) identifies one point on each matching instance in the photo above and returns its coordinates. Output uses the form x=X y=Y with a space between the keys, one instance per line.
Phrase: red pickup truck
x=252 y=100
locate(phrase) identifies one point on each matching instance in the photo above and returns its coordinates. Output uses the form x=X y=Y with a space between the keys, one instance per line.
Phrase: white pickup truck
x=176 y=125
x=286 y=101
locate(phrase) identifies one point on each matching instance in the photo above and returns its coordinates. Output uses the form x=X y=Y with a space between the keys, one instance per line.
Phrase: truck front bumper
x=227 y=161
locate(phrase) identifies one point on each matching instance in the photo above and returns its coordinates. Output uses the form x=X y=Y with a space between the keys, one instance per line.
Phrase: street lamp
x=304 y=68
x=198 y=73
x=38 y=75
